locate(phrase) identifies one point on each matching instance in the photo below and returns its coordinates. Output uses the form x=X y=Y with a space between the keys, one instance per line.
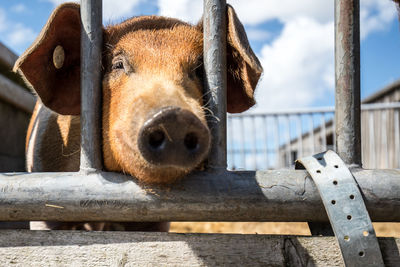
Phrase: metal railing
x=273 y=140
x=214 y=194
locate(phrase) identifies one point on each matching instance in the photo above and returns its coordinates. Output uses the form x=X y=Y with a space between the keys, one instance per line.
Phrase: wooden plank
x=14 y=123
x=7 y=57
x=7 y=60
x=76 y=248
x=14 y=94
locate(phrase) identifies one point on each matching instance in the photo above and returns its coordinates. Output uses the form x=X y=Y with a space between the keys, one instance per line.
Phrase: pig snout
x=174 y=137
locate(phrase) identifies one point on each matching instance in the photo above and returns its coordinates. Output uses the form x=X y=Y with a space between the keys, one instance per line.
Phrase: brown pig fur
x=149 y=62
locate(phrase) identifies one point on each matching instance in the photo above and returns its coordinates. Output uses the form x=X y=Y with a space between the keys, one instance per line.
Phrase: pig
x=154 y=124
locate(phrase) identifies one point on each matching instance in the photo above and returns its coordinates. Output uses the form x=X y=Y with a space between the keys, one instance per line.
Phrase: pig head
x=153 y=115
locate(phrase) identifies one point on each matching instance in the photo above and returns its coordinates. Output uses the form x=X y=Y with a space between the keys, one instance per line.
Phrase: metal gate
x=214 y=194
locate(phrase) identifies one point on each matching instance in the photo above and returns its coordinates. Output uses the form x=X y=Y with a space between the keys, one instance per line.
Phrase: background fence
x=275 y=140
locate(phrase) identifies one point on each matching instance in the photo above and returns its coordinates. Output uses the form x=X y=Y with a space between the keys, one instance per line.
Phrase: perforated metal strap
x=345 y=207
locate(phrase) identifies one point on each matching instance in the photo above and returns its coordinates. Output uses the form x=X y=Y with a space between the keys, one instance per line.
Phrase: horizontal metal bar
x=287 y=112
x=281 y=195
x=15 y=95
x=310 y=110
x=376 y=106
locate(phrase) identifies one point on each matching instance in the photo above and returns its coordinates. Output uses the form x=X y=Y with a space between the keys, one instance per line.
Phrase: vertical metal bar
x=333 y=132
x=347 y=78
x=323 y=132
x=371 y=141
x=397 y=137
x=384 y=138
x=288 y=144
x=254 y=137
x=231 y=144
x=215 y=69
x=300 y=136
x=242 y=143
x=276 y=133
x=265 y=135
x=91 y=48
x=312 y=139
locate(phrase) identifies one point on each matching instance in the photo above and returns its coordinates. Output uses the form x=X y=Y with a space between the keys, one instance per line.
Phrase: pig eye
x=118 y=65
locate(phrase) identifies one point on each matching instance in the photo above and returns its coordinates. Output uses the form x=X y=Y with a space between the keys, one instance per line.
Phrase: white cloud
x=19 y=8
x=376 y=16
x=112 y=9
x=258 y=35
x=258 y=11
x=3 y=20
x=15 y=35
x=298 y=66
x=20 y=35
x=186 y=10
x=253 y=12
x=117 y=9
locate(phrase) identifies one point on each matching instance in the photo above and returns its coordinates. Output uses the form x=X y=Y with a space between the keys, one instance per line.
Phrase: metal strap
x=345 y=207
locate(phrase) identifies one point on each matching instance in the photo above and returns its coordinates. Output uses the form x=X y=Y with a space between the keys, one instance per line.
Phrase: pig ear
x=243 y=67
x=51 y=66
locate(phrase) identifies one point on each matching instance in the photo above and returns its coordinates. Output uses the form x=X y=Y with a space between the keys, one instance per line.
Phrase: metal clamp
x=345 y=207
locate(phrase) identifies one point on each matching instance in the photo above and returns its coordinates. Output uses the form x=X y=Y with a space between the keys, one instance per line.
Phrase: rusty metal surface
x=281 y=195
x=347 y=76
x=214 y=22
x=91 y=48
x=345 y=207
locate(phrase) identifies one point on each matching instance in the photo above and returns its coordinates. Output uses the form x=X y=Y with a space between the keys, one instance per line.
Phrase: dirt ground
x=272 y=228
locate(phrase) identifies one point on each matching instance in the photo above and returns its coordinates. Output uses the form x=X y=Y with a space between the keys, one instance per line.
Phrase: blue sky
x=293 y=39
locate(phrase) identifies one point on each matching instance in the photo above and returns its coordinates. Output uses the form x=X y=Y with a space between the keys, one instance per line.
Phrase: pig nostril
x=191 y=141
x=156 y=139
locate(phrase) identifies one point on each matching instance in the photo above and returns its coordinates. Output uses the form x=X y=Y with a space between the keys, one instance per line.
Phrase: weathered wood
x=14 y=123
x=75 y=248
x=7 y=60
x=15 y=95
x=281 y=195
x=7 y=57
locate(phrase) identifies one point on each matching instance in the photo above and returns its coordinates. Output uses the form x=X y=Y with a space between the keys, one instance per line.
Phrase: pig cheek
x=126 y=129
x=194 y=98
x=118 y=136
x=130 y=110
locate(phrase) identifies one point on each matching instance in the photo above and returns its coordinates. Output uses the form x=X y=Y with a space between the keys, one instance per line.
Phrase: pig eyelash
x=202 y=97
x=197 y=71
x=118 y=65
x=211 y=115
x=109 y=46
x=208 y=112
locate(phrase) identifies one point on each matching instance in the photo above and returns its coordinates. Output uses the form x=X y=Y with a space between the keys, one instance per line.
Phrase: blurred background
x=294 y=115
